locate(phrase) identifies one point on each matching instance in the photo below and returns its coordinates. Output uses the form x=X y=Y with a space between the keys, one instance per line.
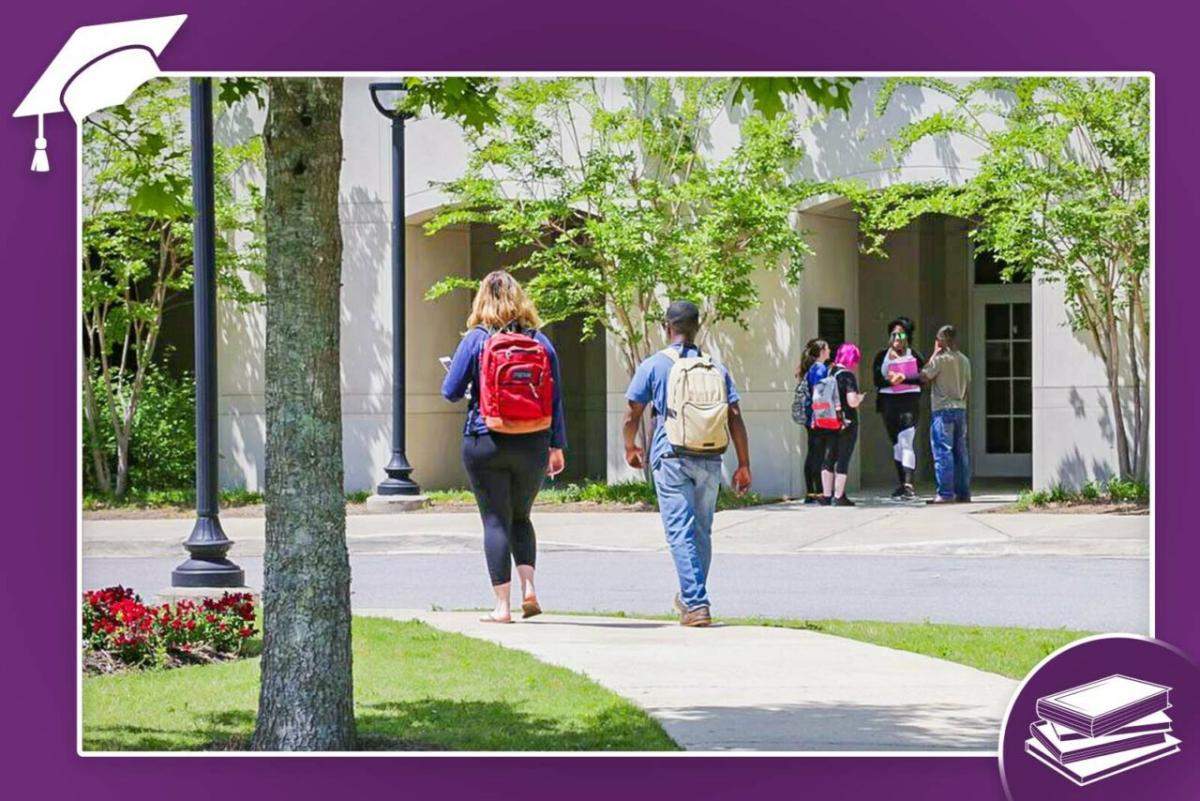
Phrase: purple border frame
x=38 y=219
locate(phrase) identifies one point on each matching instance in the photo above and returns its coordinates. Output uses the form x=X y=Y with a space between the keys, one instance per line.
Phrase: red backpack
x=516 y=383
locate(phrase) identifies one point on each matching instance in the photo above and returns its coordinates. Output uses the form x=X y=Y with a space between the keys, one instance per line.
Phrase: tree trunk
x=306 y=700
x=90 y=415
x=1112 y=367
x=122 y=466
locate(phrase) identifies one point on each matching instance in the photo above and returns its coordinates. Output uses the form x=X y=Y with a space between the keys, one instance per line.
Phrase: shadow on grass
x=219 y=731
x=422 y=725
x=501 y=726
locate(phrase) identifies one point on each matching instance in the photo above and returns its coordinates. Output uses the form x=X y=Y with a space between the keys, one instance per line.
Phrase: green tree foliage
x=769 y=94
x=469 y=101
x=612 y=201
x=137 y=238
x=1062 y=192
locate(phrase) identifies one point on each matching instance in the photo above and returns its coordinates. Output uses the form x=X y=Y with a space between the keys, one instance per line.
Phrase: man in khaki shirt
x=948 y=373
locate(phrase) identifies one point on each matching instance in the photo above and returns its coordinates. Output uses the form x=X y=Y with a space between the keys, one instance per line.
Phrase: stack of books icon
x=1097 y=730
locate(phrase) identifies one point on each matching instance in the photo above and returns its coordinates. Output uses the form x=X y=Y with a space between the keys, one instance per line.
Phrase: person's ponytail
x=812 y=352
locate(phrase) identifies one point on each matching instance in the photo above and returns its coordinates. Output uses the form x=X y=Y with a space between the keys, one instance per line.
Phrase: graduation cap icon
x=98 y=67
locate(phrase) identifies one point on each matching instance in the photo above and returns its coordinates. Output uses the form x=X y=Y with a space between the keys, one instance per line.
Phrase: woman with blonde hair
x=515 y=430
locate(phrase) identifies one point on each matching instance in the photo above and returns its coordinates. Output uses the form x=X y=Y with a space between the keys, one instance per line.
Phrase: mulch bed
x=365 y=743
x=1073 y=508
x=103 y=663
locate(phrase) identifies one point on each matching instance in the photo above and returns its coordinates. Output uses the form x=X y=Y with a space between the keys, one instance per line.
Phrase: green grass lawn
x=1009 y=651
x=415 y=688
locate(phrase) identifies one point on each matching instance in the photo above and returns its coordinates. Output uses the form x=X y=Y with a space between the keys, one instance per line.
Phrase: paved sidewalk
x=787 y=528
x=765 y=689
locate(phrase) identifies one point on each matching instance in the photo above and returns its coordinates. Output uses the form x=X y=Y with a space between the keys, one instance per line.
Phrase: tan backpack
x=697 y=405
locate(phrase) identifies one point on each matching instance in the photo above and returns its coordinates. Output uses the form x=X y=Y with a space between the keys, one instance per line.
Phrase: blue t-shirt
x=649 y=385
x=816 y=372
x=464 y=374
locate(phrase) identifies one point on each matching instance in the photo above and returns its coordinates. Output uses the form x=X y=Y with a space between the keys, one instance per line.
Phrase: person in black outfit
x=506 y=470
x=840 y=444
x=894 y=373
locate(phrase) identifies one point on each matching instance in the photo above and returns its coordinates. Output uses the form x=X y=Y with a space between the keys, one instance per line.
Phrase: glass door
x=1002 y=381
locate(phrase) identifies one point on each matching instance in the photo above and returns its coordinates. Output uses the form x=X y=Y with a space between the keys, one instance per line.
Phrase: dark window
x=999 y=438
x=1007 y=367
x=1022 y=359
x=831 y=326
x=990 y=270
x=1022 y=321
x=995 y=321
x=998 y=396
x=1022 y=435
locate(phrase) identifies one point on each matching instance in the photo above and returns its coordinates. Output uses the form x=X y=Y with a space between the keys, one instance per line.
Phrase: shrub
x=1059 y=494
x=1128 y=491
x=631 y=492
x=162 y=443
x=1113 y=491
x=116 y=623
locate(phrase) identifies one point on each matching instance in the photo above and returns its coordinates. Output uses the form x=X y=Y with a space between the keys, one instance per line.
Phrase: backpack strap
x=672 y=354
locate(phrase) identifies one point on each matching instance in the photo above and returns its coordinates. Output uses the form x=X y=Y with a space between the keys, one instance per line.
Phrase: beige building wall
x=366 y=345
x=366 y=349
x=1073 y=429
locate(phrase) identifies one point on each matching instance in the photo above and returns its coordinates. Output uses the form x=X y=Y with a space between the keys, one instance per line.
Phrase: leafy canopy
x=612 y=200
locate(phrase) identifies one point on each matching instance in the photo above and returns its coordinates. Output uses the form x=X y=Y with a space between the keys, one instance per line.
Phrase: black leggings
x=839 y=450
x=818 y=441
x=899 y=415
x=506 y=473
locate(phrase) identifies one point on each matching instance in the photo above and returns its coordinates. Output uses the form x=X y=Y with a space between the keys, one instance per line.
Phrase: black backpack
x=801 y=401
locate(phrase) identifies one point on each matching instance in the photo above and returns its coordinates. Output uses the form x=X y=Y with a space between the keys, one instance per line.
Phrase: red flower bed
x=118 y=629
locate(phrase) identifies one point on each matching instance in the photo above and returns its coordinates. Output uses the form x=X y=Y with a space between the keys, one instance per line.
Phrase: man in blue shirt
x=686 y=484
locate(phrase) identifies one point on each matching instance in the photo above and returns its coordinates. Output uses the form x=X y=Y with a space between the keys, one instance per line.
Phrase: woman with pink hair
x=841 y=443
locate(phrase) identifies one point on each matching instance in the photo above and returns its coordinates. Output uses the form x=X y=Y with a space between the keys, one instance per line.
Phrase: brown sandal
x=530 y=608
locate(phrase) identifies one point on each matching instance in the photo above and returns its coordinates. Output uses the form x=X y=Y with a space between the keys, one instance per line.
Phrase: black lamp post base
x=397 y=492
x=398 y=482
x=398 y=486
x=207 y=565
x=217 y=572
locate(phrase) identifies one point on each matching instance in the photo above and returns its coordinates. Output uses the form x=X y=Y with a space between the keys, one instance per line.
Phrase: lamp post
x=207 y=544
x=398 y=490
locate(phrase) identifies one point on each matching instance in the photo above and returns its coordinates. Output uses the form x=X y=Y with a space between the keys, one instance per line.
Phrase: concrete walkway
x=763 y=689
x=874 y=527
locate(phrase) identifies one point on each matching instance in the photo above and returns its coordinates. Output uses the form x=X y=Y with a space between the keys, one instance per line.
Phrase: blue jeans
x=687 y=498
x=951 y=460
